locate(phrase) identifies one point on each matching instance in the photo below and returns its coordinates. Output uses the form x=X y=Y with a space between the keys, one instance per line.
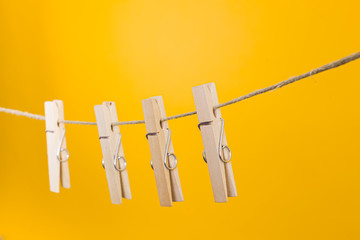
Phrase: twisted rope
x=291 y=80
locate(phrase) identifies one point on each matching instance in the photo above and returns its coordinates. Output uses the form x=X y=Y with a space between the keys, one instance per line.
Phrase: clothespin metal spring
x=117 y=158
x=167 y=155
x=60 y=150
x=221 y=147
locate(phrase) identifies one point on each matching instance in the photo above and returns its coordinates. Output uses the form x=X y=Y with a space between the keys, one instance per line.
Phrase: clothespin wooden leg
x=211 y=126
x=176 y=191
x=56 y=145
x=158 y=134
x=125 y=184
x=113 y=153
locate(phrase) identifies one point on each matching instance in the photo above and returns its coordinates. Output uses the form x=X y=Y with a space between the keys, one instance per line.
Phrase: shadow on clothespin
x=163 y=159
x=56 y=146
x=113 y=153
x=217 y=154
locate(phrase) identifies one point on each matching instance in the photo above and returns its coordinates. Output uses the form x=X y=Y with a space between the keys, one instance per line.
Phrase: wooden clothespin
x=217 y=154
x=56 y=146
x=164 y=162
x=113 y=153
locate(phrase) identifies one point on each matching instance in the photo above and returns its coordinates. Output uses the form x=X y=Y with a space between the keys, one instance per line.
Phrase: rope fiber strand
x=128 y=122
x=23 y=114
x=77 y=122
x=326 y=67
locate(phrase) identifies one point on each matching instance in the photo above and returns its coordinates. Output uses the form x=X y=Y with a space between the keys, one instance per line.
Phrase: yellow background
x=295 y=150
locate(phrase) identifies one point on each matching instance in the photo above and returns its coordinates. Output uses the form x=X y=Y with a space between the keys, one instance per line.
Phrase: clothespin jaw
x=217 y=153
x=164 y=162
x=113 y=153
x=56 y=146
